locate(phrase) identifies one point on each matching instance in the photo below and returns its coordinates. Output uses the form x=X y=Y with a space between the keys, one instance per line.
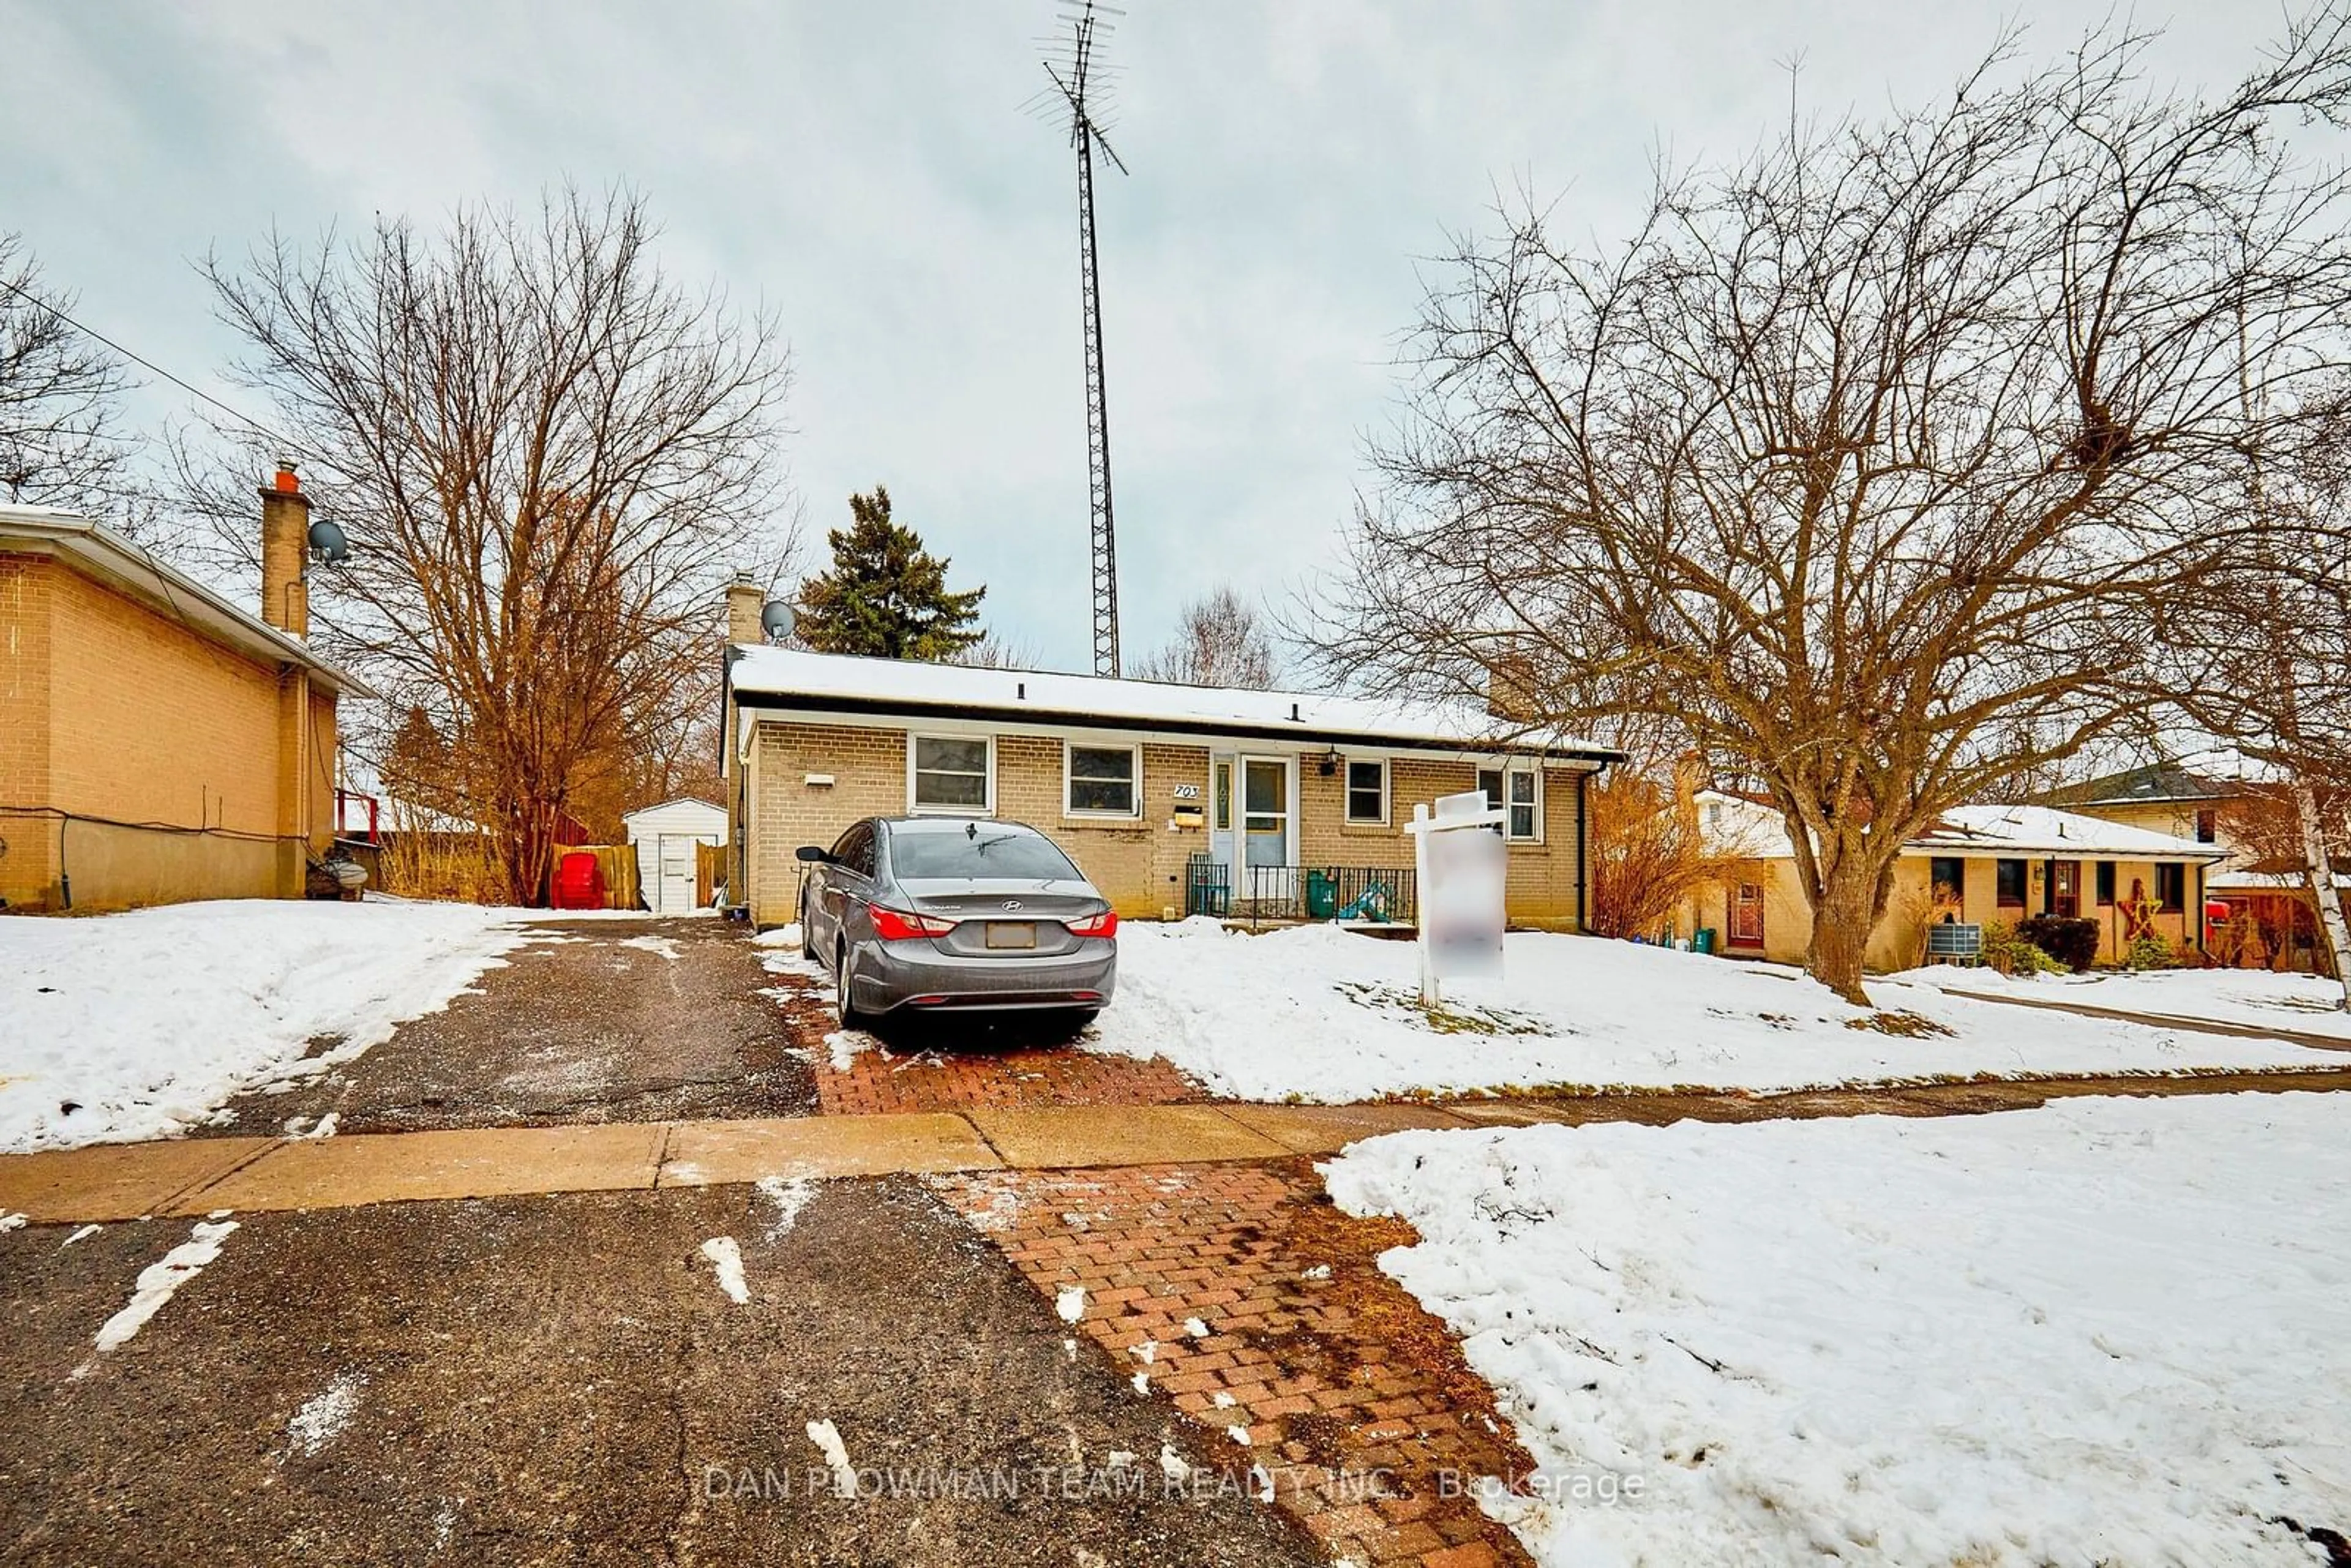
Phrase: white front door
x=1268 y=839
x=675 y=884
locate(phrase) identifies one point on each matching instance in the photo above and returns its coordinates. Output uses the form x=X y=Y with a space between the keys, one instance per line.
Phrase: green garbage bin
x=1703 y=941
x=1321 y=896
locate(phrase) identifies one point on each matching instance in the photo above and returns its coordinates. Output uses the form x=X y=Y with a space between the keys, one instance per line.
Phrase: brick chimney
x=745 y=600
x=285 y=546
x=1511 y=694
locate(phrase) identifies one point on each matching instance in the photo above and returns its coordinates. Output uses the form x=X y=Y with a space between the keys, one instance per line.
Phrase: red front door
x=2066 y=888
x=1747 y=915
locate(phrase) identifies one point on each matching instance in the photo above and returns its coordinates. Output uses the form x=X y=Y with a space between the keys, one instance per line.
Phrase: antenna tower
x=1080 y=91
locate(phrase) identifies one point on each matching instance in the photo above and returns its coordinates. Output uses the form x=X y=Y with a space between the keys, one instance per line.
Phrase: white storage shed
x=665 y=836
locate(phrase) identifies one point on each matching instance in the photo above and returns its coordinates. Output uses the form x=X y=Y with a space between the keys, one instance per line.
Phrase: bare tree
x=1650 y=854
x=1000 y=650
x=549 y=457
x=2258 y=653
x=1221 y=640
x=1871 y=459
x=60 y=396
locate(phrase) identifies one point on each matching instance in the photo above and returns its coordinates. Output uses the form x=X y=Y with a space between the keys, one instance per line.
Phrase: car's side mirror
x=810 y=854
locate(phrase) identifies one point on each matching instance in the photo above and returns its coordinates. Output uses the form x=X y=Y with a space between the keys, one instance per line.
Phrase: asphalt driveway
x=595 y=1020
x=567 y=1380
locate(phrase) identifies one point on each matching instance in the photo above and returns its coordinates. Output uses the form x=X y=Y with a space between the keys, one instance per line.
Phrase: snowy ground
x=120 y=1027
x=2307 y=1004
x=2108 y=1331
x=1318 y=1013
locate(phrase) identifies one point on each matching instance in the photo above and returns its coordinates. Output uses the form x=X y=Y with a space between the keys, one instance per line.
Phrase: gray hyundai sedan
x=937 y=913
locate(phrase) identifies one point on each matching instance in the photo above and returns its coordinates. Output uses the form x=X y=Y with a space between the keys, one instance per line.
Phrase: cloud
x=867 y=173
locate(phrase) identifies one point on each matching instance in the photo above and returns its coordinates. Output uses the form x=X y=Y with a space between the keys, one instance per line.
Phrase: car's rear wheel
x=845 y=1008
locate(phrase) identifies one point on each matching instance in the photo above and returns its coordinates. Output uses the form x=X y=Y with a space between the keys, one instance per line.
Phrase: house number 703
x=1188 y=791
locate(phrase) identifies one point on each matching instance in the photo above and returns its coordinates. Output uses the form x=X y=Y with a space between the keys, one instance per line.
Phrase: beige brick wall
x=1542 y=889
x=1138 y=864
x=29 y=863
x=111 y=709
x=1898 y=941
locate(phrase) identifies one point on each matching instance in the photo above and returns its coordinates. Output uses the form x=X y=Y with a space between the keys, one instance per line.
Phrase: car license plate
x=1011 y=933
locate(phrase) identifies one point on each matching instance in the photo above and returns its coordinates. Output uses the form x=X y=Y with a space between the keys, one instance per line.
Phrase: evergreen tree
x=885 y=597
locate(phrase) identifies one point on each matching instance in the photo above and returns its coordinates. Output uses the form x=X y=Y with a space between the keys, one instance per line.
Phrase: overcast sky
x=866 y=172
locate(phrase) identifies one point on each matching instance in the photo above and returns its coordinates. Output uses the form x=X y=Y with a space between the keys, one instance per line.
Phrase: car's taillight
x=1102 y=925
x=897 y=925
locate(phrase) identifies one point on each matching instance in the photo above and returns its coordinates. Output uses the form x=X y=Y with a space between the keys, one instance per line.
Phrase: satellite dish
x=328 y=543
x=777 y=620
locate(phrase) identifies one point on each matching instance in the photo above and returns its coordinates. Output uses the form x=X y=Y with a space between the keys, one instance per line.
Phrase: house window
x=951 y=773
x=1101 y=781
x=1514 y=788
x=2208 y=826
x=2106 y=882
x=1368 y=792
x=1947 y=876
x=1224 y=792
x=2009 y=884
x=2171 y=886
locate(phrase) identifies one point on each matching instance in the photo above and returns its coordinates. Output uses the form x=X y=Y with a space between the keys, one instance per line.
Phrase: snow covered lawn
x=120 y=1026
x=2307 y=1004
x=1318 y=1013
x=2108 y=1331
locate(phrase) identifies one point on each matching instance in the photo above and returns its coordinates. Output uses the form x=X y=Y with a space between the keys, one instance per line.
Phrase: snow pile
x=2307 y=1003
x=789 y=1194
x=322 y=1418
x=1318 y=1013
x=2111 y=1331
x=727 y=1258
x=827 y=1438
x=162 y=1280
x=132 y=1026
x=666 y=946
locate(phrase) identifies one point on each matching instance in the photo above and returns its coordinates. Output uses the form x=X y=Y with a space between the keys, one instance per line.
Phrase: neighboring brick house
x=1169 y=798
x=2170 y=797
x=1976 y=864
x=158 y=742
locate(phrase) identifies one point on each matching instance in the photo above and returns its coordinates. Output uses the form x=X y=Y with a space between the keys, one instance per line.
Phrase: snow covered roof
x=2268 y=881
x=1733 y=824
x=2043 y=830
x=674 y=800
x=764 y=677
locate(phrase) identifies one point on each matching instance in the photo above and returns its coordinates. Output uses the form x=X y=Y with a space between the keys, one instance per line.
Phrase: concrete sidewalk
x=2155 y=1019
x=108 y=1182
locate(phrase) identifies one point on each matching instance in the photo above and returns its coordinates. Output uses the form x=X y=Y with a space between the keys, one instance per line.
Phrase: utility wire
x=247 y=420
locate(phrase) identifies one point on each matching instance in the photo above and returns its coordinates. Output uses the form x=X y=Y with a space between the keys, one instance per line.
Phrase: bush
x=2073 y=943
x=2007 y=951
x=2148 y=951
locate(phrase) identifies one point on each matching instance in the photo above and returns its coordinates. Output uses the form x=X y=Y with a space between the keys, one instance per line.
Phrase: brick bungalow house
x=1171 y=799
x=158 y=742
x=1978 y=863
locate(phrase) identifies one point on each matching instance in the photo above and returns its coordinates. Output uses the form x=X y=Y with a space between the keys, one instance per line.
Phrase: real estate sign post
x=1459 y=865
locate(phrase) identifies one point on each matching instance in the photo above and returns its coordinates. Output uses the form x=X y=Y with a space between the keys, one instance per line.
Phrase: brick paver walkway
x=1240 y=1293
x=897 y=1073
x=881 y=1080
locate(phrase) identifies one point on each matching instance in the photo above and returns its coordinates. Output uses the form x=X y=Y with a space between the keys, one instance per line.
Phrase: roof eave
x=1241 y=729
x=117 y=560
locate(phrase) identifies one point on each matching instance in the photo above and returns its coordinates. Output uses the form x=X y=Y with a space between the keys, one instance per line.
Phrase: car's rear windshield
x=989 y=852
